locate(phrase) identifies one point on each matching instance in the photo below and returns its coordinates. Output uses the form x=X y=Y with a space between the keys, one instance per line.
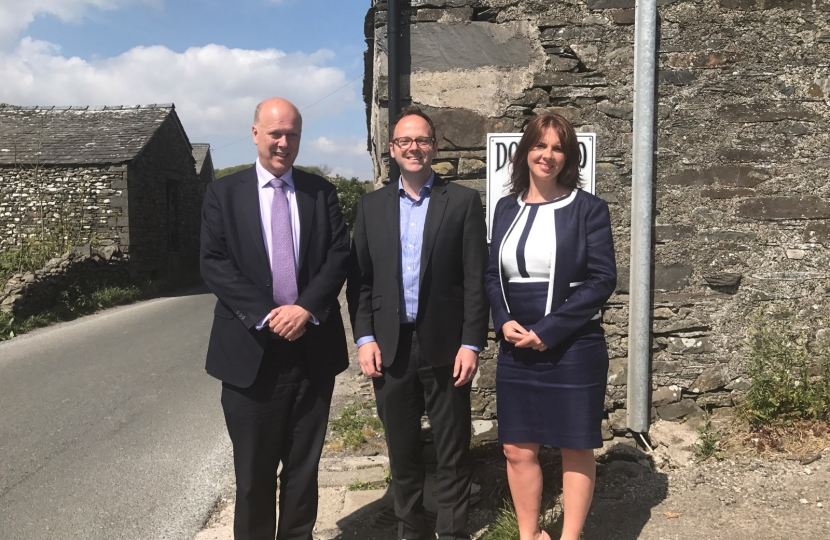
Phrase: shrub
x=785 y=386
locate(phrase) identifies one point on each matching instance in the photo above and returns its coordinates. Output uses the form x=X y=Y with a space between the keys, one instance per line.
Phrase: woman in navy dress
x=552 y=268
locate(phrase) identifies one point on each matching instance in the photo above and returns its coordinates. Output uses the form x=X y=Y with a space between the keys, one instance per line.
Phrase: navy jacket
x=584 y=270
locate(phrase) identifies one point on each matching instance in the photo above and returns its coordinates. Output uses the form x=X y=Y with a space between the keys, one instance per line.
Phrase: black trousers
x=281 y=418
x=407 y=389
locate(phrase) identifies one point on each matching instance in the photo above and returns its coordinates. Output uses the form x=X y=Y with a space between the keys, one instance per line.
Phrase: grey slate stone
x=440 y=47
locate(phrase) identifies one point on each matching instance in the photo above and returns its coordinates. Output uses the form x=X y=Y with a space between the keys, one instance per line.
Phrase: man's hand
x=532 y=341
x=370 y=362
x=289 y=321
x=513 y=332
x=466 y=363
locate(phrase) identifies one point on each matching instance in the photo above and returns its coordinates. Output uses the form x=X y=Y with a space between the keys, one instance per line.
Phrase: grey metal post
x=393 y=38
x=639 y=321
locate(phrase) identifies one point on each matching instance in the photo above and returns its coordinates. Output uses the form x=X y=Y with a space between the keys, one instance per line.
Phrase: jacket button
x=268 y=283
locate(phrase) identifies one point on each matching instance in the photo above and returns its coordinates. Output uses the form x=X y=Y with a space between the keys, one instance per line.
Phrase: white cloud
x=16 y=15
x=343 y=146
x=215 y=90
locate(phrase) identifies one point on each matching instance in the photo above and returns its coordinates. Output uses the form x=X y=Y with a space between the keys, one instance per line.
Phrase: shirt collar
x=264 y=177
x=427 y=186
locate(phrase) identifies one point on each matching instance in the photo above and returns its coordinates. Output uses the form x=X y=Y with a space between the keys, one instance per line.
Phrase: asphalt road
x=110 y=428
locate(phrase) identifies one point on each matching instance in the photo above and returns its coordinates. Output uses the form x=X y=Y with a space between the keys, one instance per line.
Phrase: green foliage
x=707 y=445
x=74 y=301
x=348 y=194
x=784 y=384
x=506 y=526
x=356 y=424
x=33 y=252
x=360 y=485
x=219 y=173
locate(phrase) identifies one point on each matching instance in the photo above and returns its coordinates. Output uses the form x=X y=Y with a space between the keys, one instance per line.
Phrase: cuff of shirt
x=261 y=324
x=472 y=348
x=364 y=340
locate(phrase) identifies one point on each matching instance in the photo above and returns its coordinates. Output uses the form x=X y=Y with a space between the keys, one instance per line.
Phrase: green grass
x=356 y=424
x=789 y=382
x=71 y=304
x=506 y=527
x=707 y=445
x=360 y=485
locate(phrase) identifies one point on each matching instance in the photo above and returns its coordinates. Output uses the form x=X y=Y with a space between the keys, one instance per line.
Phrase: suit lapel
x=393 y=219
x=305 y=208
x=251 y=215
x=435 y=214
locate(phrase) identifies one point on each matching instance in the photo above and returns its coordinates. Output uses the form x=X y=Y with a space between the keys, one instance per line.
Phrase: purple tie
x=283 y=275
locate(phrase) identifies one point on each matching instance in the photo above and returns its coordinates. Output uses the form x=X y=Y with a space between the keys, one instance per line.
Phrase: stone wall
x=81 y=203
x=165 y=201
x=742 y=201
x=82 y=268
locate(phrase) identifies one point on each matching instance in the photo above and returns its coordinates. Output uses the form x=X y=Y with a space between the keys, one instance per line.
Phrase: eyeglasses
x=404 y=142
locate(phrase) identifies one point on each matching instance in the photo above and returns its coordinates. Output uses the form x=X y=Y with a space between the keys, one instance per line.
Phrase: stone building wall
x=81 y=203
x=165 y=201
x=742 y=198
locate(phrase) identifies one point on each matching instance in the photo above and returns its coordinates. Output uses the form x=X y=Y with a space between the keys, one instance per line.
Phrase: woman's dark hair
x=535 y=129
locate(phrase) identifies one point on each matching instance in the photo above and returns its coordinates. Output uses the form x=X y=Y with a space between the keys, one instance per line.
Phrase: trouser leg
x=400 y=402
x=448 y=409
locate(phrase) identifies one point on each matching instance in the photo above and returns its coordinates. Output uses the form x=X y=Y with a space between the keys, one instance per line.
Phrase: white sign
x=502 y=146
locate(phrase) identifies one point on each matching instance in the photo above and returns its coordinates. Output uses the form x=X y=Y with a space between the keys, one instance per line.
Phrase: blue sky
x=215 y=59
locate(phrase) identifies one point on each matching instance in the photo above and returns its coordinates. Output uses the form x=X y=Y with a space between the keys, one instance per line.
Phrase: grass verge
x=355 y=426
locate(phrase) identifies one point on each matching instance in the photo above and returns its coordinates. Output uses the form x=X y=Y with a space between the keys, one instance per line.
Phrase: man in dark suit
x=420 y=313
x=275 y=253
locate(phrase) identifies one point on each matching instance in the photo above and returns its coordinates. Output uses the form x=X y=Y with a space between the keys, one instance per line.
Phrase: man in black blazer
x=420 y=313
x=275 y=253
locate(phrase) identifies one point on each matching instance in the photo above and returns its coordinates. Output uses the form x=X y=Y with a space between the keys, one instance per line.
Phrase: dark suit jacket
x=584 y=274
x=235 y=266
x=452 y=303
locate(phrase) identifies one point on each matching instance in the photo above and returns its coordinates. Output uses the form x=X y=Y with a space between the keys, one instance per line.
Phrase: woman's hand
x=532 y=341
x=513 y=332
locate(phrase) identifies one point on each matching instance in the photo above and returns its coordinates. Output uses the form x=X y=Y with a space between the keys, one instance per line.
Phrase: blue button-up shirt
x=413 y=215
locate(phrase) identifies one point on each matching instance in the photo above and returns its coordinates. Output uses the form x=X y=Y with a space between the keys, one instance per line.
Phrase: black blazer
x=584 y=270
x=452 y=303
x=235 y=266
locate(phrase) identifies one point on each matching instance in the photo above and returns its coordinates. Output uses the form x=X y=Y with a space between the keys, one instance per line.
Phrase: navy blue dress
x=552 y=268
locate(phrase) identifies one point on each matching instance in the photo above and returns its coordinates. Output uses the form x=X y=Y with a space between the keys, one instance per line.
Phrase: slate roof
x=200 y=152
x=78 y=135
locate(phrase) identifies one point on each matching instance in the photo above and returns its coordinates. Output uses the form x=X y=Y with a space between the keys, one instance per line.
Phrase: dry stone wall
x=82 y=203
x=742 y=199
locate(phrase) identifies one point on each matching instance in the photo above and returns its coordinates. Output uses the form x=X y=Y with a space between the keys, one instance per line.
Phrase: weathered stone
x=726 y=193
x=588 y=53
x=763 y=111
x=486 y=377
x=429 y=15
x=817 y=233
x=727 y=236
x=668 y=233
x=618 y=420
x=664 y=367
x=741 y=384
x=463 y=128
x=751 y=5
x=440 y=47
x=772 y=208
x=568 y=79
x=717 y=399
x=471 y=167
x=706 y=59
x=672 y=277
x=535 y=96
x=676 y=78
x=749 y=154
x=663 y=313
x=622 y=110
x=676 y=411
x=561 y=63
x=571 y=114
x=623 y=16
x=623 y=277
x=605 y=431
x=621 y=4
x=665 y=395
x=795 y=254
x=444 y=168
x=552 y=22
x=689 y=177
x=723 y=279
x=695 y=345
x=618 y=372
x=711 y=379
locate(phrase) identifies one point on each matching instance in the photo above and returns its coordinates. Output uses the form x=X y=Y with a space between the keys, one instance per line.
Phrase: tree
x=349 y=193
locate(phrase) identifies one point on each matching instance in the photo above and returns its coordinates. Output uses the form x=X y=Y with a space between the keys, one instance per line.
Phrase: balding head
x=277 y=128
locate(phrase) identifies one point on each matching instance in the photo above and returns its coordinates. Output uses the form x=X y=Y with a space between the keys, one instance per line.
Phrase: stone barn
x=741 y=191
x=119 y=178
x=204 y=163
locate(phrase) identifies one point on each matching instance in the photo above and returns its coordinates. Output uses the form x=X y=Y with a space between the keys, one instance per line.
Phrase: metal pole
x=393 y=40
x=639 y=321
